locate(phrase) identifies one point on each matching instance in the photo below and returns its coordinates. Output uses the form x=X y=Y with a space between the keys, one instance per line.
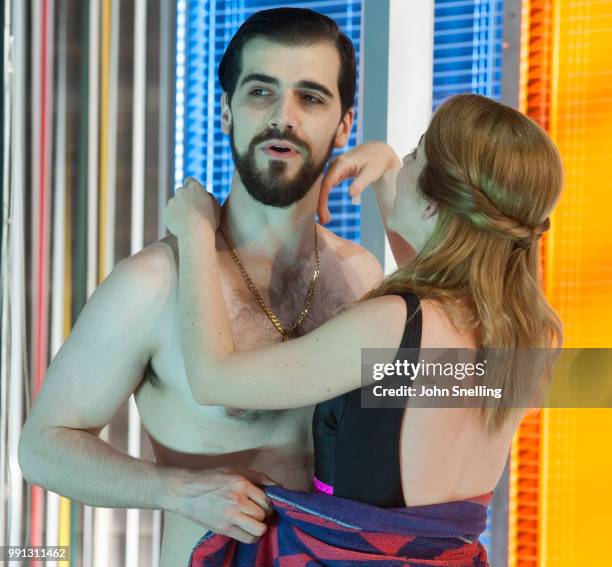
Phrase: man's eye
x=259 y=92
x=310 y=99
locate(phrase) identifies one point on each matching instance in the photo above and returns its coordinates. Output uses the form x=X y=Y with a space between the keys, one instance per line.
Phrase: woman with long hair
x=463 y=217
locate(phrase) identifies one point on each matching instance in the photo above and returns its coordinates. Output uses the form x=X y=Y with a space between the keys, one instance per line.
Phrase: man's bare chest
x=251 y=326
x=287 y=300
x=164 y=395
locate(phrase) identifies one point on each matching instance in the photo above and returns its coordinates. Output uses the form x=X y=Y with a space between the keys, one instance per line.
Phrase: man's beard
x=270 y=187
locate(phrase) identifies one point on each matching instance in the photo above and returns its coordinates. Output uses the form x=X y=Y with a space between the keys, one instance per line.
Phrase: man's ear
x=226 y=114
x=344 y=129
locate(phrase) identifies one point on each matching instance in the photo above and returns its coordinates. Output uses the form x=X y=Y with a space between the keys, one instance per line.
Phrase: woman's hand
x=366 y=163
x=191 y=207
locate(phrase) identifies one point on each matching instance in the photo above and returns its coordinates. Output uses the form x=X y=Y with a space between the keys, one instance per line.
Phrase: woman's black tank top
x=357 y=450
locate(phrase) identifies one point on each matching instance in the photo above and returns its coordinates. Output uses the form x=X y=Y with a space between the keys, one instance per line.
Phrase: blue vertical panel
x=468 y=36
x=205 y=150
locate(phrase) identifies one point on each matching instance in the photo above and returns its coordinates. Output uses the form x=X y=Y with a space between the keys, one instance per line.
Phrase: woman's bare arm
x=372 y=164
x=303 y=371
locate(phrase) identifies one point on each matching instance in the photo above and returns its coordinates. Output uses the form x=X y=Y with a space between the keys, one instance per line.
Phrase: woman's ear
x=430 y=210
x=226 y=114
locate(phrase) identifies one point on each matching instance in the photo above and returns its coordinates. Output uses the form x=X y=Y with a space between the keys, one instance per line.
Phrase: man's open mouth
x=280 y=151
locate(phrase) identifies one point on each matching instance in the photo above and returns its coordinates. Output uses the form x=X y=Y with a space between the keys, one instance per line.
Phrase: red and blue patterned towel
x=311 y=529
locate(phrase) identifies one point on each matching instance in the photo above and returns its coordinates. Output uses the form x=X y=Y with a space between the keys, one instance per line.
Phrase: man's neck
x=265 y=233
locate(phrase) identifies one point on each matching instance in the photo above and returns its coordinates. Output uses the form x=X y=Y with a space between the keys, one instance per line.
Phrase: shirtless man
x=289 y=82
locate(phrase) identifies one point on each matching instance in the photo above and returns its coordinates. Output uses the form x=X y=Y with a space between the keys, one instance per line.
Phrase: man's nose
x=285 y=114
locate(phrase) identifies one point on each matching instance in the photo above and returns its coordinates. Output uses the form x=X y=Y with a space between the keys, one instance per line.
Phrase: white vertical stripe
x=58 y=260
x=88 y=513
x=132 y=539
x=138 y=181
x=17 y=274
x=410 y=81
x=92 y=145
x=179 y=119
x=156 y=539
x=113 y=104
x=410 y=73
x=165 y=14
x=102 y=528
x=36 y=35
x=102 y=541
x=103 y=517
x=4 y=347
x=92 y=206
x=138 y=131
x=210 y=121
x=162 y=192
x=59 y=195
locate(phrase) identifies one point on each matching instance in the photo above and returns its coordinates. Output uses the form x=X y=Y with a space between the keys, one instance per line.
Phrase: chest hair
x=286 y=295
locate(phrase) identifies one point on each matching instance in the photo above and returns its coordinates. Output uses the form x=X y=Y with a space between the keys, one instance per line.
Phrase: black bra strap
x=414 y=321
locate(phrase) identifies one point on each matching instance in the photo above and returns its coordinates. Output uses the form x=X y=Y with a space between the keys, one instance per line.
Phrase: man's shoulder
x=152 y=269
x=349 y=251
x=354 y=259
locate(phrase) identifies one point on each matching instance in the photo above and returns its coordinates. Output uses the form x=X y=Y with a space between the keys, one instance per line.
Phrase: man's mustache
x=276 y=134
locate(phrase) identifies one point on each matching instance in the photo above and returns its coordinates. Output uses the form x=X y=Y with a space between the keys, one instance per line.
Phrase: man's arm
x=95 y=371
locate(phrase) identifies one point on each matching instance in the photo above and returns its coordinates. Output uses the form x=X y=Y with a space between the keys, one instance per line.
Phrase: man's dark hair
x=291 y=26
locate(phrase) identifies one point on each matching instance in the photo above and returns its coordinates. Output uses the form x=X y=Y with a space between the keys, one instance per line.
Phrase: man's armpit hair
x=152 y=376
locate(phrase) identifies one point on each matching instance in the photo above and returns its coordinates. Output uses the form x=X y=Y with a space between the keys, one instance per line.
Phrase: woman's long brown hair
x=495 y=177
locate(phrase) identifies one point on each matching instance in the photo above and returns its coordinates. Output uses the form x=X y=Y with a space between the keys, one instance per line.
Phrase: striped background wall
x=90 y=84
x=108 y=110
x=468 y=38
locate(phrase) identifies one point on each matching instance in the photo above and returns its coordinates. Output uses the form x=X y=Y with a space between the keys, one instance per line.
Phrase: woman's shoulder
x=446 y=325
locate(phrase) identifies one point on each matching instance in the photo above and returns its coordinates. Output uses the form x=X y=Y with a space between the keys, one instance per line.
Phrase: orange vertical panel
x=525 y=478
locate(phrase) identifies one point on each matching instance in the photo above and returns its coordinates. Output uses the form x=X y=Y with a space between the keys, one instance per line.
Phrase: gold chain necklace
x=264 y=306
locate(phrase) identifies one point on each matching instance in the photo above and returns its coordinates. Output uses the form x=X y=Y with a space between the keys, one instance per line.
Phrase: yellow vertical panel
x=580 y=270
x=576 y=492
x=576 y=460
x=64 y=522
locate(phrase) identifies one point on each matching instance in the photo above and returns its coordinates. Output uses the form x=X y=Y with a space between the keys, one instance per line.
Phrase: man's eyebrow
x=313 y=85
x=260 y=77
